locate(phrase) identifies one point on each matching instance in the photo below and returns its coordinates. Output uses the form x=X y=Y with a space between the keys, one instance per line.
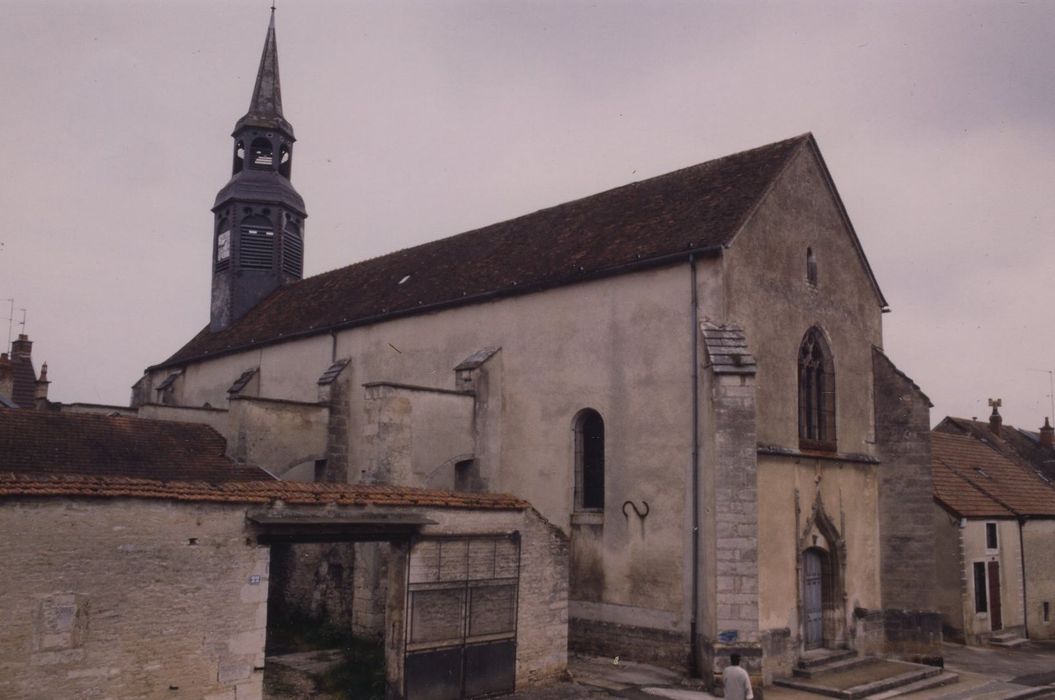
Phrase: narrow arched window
x=816 y=393
x=261 y=154
x=589 y=460
x=811 y=267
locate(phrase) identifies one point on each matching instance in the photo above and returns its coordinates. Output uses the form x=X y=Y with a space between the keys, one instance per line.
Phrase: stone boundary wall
x=130 y=598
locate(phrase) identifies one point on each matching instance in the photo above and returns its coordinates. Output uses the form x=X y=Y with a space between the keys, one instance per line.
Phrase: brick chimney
x=23 y=347
x=7 y=376
x=40 y=394
x=995 y=419
x=1047 y=434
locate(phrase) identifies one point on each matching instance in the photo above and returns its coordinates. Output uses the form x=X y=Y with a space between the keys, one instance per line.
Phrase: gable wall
x=770 y=297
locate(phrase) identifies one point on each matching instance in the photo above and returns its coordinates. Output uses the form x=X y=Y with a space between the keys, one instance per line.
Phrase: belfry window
x=285 y=160
x=261 y=155
x=239 y=158
x=292 y=249
x=816 y=393
x=256 y=247
x=589 y=460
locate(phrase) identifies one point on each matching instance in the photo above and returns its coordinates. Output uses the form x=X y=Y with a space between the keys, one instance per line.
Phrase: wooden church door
x=813 y=598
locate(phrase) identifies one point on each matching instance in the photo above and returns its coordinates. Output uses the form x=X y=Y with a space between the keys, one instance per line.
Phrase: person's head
x=734 y=659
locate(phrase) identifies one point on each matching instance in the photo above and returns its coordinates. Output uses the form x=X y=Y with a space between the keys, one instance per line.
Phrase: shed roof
x=88 y=444
x=22 y=485
x=651 y=222
x=974 y=480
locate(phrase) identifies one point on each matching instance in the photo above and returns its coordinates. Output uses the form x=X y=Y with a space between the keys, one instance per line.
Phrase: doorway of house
x=813 y=598
x=996 y=620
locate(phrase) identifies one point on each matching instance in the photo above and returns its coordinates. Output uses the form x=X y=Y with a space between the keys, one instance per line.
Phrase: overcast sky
x=418 y=120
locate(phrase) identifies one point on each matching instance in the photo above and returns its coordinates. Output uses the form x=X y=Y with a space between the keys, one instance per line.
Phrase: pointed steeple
x=258 y=236
x=265 y=107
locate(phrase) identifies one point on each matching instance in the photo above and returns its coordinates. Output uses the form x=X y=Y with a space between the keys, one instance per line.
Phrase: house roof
x=1012 y=442
x=974 y=480
x=20 y=485
x=46 y=443
x=657 y=221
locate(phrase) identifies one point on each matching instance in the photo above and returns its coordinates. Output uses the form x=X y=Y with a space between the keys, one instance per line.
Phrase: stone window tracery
x=816 y=393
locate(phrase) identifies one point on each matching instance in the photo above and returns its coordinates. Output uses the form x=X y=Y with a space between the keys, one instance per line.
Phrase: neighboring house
x=137 y=564
x=994 y=542
x=20 y=387
x=1036 y=448
x=684 y=374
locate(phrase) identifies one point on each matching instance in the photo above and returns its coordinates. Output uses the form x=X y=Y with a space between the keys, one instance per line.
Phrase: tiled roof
x=289 y=492
x=654 y=221
x=727 y=351
x=45 y=442
x=974 y=480
x=1012 y=442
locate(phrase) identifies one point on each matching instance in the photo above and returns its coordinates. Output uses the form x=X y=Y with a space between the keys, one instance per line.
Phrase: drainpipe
x=1022 y=560
x=694 y=645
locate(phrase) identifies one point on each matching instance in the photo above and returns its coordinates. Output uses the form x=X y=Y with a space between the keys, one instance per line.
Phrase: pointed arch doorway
x=822 y=593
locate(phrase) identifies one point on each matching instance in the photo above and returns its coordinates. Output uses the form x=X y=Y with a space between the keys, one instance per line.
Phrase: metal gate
x=813 y=598
x=462 y=617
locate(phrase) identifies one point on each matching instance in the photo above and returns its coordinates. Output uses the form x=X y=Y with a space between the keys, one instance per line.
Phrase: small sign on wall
x=254 y=580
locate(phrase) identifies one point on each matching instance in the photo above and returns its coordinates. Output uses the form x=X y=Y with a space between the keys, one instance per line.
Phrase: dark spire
x=265 y=108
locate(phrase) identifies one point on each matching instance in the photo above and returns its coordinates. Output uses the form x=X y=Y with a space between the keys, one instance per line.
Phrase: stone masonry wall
x=313 y=581
x=130 y=598
x=906 y=515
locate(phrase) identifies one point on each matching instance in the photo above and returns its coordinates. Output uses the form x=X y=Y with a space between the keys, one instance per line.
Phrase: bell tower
x=258 y=227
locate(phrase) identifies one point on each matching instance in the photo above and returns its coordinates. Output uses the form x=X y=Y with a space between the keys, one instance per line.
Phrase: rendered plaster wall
x=951 y=574
x=1008 y=555
x=1038 y=536
x=848 y=491
x=415 y=437
x=277 y=435
x=622 y=346
x=768 y=294
x=215 y=418
x=130 y=598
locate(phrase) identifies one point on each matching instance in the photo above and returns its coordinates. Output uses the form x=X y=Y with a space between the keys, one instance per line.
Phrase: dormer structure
x=258 y=231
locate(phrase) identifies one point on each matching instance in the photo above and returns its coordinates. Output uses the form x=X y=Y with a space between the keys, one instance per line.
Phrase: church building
x=685 y=375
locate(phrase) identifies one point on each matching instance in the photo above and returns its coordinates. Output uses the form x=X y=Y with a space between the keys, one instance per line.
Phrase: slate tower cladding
x=258 y=232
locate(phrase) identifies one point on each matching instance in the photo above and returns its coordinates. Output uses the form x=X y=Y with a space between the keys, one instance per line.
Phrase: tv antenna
x=1051 y=388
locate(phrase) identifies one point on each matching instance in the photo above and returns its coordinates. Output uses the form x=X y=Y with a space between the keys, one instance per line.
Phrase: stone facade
x=130 y=598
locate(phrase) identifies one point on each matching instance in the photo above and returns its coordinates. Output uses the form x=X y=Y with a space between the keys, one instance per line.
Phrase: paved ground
x=985 y=673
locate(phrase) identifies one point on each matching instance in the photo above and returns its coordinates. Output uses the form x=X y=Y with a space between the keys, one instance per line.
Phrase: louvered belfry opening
x=292 y=248
x=816 y=370
x=257 y=244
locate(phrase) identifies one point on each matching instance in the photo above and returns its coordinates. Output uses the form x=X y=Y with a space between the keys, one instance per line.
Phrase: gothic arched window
x=816 y=393
x=589 y=460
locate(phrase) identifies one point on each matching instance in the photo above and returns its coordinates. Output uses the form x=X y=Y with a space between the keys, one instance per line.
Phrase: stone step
x=862 y=680
x=819 y=657
x=942 y=679
x=843 y=663
x=1007 y=640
